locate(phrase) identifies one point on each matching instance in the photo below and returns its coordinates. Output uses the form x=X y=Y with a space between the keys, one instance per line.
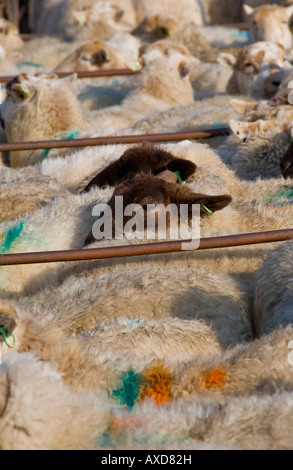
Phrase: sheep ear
x=100 y=58
x=81 y=17
x=247 y=11
x=4 y=390
x=228 y=60
x=118 y=15
x=184 y=69
x=289 y=11
x=23 y=91
x=208 y=204
x=186 y=168
x=8 y=318
x=241 y=106
x=214 y=203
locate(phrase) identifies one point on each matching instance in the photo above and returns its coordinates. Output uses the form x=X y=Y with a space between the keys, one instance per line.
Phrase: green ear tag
x=24 y=92
x=180 y=180
x=208 y=211
x=3 y=331
x=136 y=65
x=82 y=20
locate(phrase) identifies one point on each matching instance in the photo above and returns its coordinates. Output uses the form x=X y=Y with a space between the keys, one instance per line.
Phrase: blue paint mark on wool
x=67 y=136
x=11 y=236
x=243 y=34
x=129 y=390
x=282 y=197
x=29 y=63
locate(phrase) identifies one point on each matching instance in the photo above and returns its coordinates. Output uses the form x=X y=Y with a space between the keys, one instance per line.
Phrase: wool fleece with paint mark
x=111 y=460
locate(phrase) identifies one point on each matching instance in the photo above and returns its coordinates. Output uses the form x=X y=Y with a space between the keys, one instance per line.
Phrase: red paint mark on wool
x=214 y=378
x=158 y=385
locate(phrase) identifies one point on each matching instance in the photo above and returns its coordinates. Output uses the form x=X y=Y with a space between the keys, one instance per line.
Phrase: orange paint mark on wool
x=157 y=386
x=214 y=378
x=128 y=422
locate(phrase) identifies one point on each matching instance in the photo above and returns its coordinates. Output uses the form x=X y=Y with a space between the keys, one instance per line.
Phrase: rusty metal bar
x=145 y=249
x=118 y=139
x=85 y=74
x=241 y=26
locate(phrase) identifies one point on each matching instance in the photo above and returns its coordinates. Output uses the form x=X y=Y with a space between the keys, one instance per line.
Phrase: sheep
x=101 y=21
x=95 y=351
x=33 y=99
x=258 y=70
x=256 y=148
x=258 y=366
x=95 y=55
x=252 y=422
x=47 y=414
x=72 y=16
x=272 y=307
x=9 y=36
x=229 y=11
x=22 y=191
x=26 y=109
x=194 y=9
x=270 y=23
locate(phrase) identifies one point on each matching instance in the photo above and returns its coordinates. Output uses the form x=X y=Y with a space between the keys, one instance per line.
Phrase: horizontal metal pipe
x=145 y=249
x=122 y=139
x=85 y=74
x=241 y=26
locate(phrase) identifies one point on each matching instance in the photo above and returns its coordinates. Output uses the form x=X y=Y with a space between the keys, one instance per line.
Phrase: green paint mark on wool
x=129 y=390
x=282 y=197
x=67 y=136
x=10 y=237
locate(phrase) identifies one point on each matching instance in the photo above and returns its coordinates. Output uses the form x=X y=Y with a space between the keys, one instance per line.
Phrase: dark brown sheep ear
x=186 y=168
x=208 y=204
x=211 y=204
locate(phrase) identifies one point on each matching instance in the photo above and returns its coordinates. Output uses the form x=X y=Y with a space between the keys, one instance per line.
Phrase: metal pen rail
x=227 y=241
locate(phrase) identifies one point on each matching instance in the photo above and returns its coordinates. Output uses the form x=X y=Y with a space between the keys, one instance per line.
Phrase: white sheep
x=25 y=189
x=270 y=23
x=273 y=291
x=39 y=108
x=39 y=412
x=258 y=70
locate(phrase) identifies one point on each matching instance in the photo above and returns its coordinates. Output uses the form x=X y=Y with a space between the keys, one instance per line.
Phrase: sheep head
x=258 y=70
x=153 y=193
x=142 y=159
x=270 y=23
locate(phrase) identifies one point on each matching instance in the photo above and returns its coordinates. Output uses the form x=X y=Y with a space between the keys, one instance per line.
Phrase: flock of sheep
x=190 y=350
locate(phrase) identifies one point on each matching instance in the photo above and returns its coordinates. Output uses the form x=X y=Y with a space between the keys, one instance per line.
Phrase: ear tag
x=82 y=20
x=208 y=211
x=180 y=180
x=3 y=331
x=24 y=92
x=136 y=65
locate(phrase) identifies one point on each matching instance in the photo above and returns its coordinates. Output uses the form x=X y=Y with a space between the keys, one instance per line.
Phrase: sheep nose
x=272 y=83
